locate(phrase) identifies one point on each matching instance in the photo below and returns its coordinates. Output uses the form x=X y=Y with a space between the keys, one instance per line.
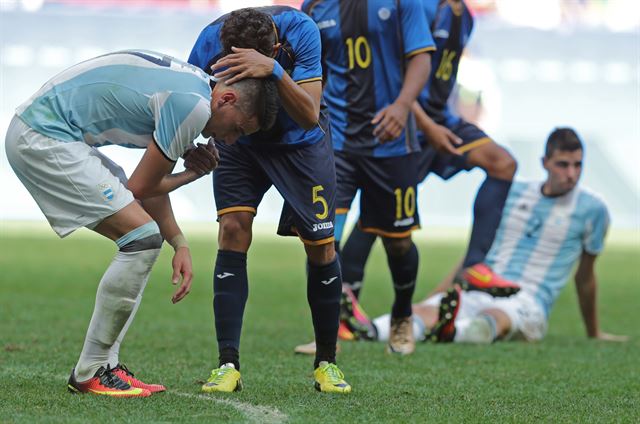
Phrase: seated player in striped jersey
x=546 y=229
x=135 y=99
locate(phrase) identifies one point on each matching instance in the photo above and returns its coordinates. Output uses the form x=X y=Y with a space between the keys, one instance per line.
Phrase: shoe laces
x=124 y=368
x=109 y=379
x=402 y=333
x=333 y=373
x=218 y=374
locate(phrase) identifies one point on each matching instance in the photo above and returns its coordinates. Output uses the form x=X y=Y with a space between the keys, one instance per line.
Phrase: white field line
x=254 y=413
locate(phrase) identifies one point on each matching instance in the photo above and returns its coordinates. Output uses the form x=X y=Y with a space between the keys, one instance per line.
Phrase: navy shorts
x=446 y=165
x=388 y=195
x=304 y=176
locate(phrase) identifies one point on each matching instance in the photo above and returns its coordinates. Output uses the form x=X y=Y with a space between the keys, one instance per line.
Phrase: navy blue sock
x=354 y=257
x=487 y=212
x=324 y=286
x=230 y=289
x=404 y=270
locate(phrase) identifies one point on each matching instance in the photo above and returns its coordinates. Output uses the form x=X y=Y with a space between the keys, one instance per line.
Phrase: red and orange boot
x=127 y=376
x=482 y=278
x=106 y=383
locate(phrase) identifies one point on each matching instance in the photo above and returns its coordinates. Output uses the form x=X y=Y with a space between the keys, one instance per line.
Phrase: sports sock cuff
x=492 y=324
x=144 y=231
x=232 y=258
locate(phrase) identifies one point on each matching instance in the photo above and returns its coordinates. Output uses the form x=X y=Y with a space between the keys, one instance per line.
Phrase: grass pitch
x=47 y=287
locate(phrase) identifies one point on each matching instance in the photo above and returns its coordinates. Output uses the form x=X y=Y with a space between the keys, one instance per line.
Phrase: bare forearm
x=423 y=120
x=586 y=288
x=160 y=209
x=415 y=78
x=167 y=184
x=299 y=104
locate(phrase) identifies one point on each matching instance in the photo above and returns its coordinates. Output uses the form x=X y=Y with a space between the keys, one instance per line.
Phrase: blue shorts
x=388 y=196
x=446 y=165
x=304 y=176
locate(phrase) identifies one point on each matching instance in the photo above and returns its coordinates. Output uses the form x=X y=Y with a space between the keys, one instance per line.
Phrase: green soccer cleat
x=329 y=379
x=223 y=379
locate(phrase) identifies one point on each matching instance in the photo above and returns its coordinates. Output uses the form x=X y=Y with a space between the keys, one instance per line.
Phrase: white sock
x=383 y=324
x=114 y=352
x=479 y=329
x=116 y=300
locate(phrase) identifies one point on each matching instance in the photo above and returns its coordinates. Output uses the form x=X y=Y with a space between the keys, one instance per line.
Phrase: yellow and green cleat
x=329 y=379
x=223 y=379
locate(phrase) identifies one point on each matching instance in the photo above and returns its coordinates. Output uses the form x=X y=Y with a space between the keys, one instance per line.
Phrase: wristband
x=278 y=71
x=178 y=241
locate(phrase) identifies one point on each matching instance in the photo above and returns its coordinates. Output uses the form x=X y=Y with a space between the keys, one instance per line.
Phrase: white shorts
x=528 y=320
x=73 y=184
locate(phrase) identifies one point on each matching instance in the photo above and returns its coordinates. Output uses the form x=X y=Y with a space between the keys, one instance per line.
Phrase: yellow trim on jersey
x=308 y=80
x=342 y=211
x=237 y=209
x=474 y=144
x=389 y=234
x=418 y=51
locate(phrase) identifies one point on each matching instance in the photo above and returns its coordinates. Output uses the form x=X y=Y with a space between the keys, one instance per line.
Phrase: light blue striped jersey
x=124 y=98
x=540 y=238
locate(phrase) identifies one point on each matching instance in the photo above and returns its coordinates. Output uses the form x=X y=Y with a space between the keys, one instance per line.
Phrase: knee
x=397 y=246
x=320 y=255
x=501 y=165
x=235 y=231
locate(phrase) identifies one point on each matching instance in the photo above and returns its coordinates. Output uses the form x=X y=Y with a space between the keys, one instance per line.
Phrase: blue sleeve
x=596 y=230
x=308 y=51
x=416 y=32
x=206 y=47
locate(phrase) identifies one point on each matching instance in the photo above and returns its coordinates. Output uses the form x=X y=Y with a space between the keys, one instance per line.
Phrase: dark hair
x=565 y=139
x=248 y=28
x=259 y=98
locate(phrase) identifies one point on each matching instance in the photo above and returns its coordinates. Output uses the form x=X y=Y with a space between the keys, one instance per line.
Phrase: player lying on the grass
x=451 y=23
x=546 y=229
x=133 y=99
x=281 y=44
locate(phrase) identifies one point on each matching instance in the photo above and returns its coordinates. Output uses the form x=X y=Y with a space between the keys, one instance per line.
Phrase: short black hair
x=248 y=28
x=259 y=98
x=565 y=139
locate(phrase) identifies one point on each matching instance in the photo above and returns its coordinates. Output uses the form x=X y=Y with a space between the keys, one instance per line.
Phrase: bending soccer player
x=451 y=25
x=134 y=99
x=281 y=44
x=547 y=228
x=376 y=57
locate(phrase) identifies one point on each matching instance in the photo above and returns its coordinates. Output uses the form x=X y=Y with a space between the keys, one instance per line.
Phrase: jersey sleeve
x=179 y=119
x=206 y=47
x=596 y=230
x=308 y=52
x=416 y=33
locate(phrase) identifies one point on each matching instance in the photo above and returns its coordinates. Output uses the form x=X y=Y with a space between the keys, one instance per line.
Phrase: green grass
x=47 y=287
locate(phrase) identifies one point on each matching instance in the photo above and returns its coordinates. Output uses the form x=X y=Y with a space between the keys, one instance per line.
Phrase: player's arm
x=161 y=211
x=391 y=120
x=439 y=137
x=586 y=287
x=301 y=101
x=152 y=177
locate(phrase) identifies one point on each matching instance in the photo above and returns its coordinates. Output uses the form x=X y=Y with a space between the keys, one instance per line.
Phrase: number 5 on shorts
x=319 y=199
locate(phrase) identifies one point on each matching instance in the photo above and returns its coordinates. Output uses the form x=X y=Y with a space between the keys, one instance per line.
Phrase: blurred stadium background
x=531 y=66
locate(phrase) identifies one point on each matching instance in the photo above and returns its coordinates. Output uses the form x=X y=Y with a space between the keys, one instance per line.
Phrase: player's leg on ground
x=487 y=326
x=500 y=168
x=230 y=283
x=402 y=257
x=324 y=286
x=139 y=242
x=353 y=256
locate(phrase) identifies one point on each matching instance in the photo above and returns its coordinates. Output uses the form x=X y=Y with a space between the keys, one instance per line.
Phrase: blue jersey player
x=282 y=44
x=134 y=99
x=451 y=25
x=376 y=61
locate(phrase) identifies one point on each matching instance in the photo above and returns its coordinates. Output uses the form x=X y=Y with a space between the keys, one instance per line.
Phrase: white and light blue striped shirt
x=540 y=238
x=124 y=98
